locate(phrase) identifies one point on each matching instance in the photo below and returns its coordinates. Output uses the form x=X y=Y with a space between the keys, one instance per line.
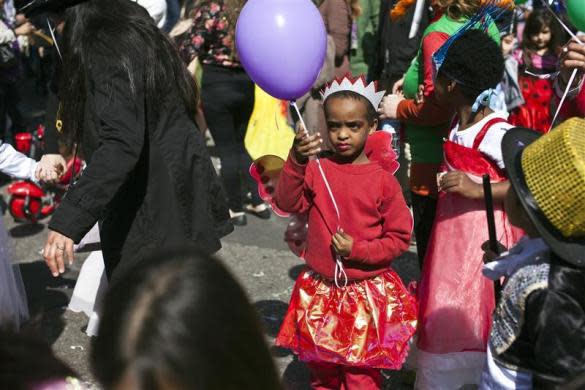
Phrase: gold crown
x=554 y=169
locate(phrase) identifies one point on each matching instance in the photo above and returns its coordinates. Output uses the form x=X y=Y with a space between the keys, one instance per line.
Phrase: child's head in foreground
x=547 y=193
x=181 y=322
x=473 y=64
x=350 y=117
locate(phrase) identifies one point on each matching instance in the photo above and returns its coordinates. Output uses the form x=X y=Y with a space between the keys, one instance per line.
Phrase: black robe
x=149 y=182
x=551 y=339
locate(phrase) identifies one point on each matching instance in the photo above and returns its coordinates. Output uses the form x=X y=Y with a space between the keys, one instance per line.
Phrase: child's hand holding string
x=306 y=145
x=342 y=243
x=459 y=182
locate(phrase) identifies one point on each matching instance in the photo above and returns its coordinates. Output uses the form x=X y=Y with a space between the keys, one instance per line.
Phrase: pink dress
x=456 y=300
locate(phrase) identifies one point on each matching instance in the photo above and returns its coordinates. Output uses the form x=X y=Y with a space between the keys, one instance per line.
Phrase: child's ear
x=373 y=126
x=451 y=85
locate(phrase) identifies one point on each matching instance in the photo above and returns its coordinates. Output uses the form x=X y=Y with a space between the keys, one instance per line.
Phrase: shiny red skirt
x=368 y=323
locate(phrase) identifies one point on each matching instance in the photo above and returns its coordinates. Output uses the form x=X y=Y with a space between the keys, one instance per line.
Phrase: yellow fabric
x=268 y=130
x=554 y=169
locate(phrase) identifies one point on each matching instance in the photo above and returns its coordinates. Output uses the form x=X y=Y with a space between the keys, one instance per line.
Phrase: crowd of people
x=425 y=114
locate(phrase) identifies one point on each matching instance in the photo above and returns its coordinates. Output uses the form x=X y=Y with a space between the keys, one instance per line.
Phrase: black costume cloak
x=149 y=181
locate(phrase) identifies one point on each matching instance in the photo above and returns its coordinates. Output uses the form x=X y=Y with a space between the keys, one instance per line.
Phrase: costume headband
x=490 y=11
x=357 y=85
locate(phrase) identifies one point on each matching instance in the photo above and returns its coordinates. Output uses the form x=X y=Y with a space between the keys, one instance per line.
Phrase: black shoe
x=238 y=218
x=262 y=210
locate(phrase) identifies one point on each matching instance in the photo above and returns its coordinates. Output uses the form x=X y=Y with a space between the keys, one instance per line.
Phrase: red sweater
x=373 y=212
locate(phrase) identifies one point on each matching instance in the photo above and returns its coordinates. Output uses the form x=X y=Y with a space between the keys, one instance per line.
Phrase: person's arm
x=15 y=164
x=193 y=42
x=292 y=188
x=430 y=111
x=458 y=182
x=121 y=131
x=396 y=230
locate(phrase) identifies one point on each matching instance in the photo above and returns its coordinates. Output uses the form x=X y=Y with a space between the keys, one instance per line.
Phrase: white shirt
x=157 y=9
x=16 y=164
x=492 y=142
x=6 y=34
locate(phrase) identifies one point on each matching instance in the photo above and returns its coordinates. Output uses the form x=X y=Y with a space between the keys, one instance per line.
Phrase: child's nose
x=343 y=134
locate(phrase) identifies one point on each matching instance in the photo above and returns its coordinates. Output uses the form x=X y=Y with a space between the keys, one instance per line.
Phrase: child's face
x=542 y=39
x=348 y=127
x=508 y=44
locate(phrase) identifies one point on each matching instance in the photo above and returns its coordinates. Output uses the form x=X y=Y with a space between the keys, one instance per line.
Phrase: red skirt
x=535 y=113
x=368 y=323
x=456 y=300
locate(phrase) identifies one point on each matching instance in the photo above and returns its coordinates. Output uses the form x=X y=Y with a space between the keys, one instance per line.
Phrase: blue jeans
x=173 y=13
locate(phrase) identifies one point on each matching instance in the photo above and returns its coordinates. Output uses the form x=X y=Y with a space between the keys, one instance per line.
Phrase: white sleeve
x=157 y=9
x=6 y=34
x=16 y=164
x=492 y=143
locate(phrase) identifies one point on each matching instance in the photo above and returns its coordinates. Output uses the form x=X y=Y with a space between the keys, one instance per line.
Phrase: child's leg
x=361 y=378
x=325 y=376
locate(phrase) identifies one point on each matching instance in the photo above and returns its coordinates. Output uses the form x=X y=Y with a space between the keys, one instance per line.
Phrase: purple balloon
x=282 y=45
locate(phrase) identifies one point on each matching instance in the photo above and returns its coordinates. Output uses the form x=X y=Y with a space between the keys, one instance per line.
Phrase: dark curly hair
x=475 y=61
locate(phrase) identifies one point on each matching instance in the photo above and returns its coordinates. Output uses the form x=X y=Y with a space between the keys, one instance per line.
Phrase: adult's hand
x=389 y=106
x=572 y=57
x=57 y=248
x=397 y=87
x=24 y=29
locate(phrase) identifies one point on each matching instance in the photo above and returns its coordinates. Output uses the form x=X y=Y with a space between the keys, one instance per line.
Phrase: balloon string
x=339 y=270
x=567 y=29
x=567 y=89
x=52 y=31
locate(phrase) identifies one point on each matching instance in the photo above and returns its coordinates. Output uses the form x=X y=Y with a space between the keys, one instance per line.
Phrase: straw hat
x=548 y=174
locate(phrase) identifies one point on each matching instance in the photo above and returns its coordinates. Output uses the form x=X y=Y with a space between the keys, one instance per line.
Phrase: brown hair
x=457 y=9
x=536 y=22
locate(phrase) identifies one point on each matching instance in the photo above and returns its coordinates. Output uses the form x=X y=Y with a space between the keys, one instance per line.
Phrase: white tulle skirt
x=13 y=305
x=89 y=291
x=92 y=283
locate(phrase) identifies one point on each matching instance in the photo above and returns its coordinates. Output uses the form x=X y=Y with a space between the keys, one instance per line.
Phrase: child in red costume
x=347 y=328
x=456 y=301
x=537 y=61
